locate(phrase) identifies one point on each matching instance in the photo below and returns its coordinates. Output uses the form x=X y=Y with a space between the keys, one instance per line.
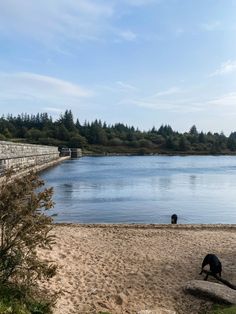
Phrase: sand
x=129 y=269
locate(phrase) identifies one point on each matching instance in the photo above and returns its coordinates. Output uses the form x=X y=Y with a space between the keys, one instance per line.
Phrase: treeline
x=99 y=137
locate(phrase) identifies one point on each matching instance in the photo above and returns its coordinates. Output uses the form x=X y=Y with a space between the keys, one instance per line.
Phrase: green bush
x=24 y=228
x=16 y=300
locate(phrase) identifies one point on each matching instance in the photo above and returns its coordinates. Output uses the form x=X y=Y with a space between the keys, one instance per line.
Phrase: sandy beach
x=130 y=268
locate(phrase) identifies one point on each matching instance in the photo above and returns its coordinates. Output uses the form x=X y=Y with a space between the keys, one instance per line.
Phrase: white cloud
x=225 y=68
x=54 y=22
x=171 y=105
x=211 y=26
x=176 y=100
x=140 y=2
x=169 y=91
x=55 y=19
x=163 y=100
x=30 y=87
x=224 y=101
x=127 y=35
x=126 y=86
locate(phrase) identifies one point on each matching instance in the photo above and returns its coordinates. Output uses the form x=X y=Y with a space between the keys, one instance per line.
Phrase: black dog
x=174 y=218
x=215 y=265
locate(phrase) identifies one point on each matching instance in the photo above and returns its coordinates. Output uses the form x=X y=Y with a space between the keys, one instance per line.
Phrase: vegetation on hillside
x=99 y=137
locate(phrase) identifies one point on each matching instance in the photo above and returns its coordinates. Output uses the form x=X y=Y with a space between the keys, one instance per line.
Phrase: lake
x=144 y=189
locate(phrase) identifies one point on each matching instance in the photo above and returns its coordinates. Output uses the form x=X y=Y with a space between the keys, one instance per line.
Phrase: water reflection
x=145 y=189
x=165 y=182
x=193 y=181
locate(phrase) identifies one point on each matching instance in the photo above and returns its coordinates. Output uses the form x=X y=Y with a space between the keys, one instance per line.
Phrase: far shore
x=130 y=268
x=182 y=154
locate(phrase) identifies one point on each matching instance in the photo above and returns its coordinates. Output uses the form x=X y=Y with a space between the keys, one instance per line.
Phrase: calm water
x=146 y=189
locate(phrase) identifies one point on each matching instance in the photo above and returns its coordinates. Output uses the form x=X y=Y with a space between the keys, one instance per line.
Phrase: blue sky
x=140 y=62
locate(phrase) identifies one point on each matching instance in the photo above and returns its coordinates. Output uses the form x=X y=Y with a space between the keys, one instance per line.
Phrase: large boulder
x=214 y=291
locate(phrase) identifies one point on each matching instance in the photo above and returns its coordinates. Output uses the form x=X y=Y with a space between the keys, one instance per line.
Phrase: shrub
x=16 y=300
x=24 y=228
x=115 y=142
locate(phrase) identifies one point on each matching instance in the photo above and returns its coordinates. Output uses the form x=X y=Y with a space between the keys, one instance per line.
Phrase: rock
x=168 y=268
x=120 y=298
x=215 y=291
x=159 y=310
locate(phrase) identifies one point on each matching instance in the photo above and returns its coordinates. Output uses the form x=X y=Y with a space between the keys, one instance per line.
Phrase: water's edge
x=229 y=227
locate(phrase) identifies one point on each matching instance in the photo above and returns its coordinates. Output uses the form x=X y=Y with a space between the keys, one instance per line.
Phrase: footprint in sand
x=62 y=255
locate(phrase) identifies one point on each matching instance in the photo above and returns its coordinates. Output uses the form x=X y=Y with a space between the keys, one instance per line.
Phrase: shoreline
x=174 y=154
x=147 y=226
x=134 y=226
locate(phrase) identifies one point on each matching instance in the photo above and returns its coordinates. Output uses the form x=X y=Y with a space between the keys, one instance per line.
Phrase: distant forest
x=98 y=137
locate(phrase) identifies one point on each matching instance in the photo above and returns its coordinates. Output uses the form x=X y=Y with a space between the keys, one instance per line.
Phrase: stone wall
x=25 y=156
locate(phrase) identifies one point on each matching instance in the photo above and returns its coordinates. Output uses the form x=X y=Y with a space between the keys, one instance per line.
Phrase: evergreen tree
x=193 y=130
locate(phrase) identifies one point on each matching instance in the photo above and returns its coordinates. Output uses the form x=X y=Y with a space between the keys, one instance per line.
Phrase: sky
x=139 y=62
